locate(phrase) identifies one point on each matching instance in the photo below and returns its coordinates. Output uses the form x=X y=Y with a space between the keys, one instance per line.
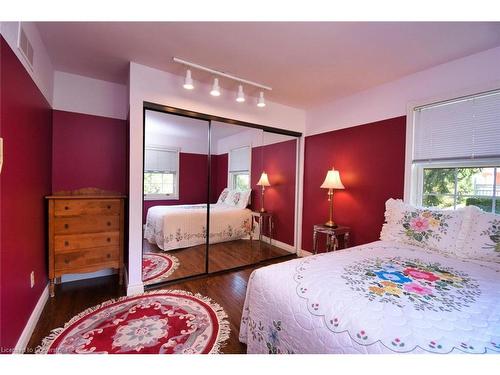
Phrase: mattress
x=381 y=297
x=180 y=226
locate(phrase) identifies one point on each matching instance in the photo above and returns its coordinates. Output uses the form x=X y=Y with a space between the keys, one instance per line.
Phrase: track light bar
x=222 y=74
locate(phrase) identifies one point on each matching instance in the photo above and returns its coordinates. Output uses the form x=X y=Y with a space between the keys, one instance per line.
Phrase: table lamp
x=263 y=181
x=332 y=181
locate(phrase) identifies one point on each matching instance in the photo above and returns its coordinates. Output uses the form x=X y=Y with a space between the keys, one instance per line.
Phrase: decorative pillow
x=482 y=240
x=238 y=198
x=424 y=227
x=223 y=196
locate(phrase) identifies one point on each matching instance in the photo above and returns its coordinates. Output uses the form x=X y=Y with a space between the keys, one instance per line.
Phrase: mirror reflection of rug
x=159 y=322
x=157 y=267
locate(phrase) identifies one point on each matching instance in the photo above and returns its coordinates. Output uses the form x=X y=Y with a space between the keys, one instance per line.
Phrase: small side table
x=332 y=234
x=261 y=218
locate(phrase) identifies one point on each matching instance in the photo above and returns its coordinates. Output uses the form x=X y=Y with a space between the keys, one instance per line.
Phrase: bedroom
x=138 y=179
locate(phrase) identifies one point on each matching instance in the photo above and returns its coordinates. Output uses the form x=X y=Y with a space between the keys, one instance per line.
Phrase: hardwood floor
x=221 y=256
x=228 y=289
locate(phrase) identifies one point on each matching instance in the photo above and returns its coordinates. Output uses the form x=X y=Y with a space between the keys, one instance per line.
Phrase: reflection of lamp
x=332 y=181
x=263 y=181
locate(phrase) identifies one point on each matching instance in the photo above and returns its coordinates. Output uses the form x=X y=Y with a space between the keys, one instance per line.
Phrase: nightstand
x=263 y=218
x=332 y=237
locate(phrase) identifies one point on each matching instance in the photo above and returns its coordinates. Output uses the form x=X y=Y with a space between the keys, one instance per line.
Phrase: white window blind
x=239 y=159
x=161 y=160
x=465 y=128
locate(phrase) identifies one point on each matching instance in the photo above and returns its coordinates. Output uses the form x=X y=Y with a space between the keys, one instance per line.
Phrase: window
x=239 y=168
x=161 y=173
x=454 y=187
x=456 y=153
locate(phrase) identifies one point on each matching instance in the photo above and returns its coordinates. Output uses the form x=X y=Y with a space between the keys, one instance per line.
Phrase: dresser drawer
x=86 y=259
x=69 y=242
x=78 y=207
x=86 y=224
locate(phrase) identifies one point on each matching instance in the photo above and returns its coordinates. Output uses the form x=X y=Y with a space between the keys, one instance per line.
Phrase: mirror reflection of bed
x=175 y=196
x=189 y=186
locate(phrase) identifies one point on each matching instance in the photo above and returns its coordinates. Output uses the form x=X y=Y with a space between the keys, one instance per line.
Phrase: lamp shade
x=332 y=180
x=263 y=181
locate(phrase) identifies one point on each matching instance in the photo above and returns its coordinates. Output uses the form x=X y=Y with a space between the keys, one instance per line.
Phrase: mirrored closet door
x=176 y=171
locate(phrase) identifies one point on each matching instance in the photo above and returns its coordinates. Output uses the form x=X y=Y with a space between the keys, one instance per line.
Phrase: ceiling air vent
x=25 y=47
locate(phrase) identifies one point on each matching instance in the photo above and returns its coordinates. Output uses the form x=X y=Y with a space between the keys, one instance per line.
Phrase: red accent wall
x=26 y=126
x=370 y=159
x=278 y=160
x=192 y=182
x=89 y=151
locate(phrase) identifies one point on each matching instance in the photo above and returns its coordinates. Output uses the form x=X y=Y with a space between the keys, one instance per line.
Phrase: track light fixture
x=188 y=81
x=215 y=88
x=241 y=95
x=216 y=91
x=261 y=103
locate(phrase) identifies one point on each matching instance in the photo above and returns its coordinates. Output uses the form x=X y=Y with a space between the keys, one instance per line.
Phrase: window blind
x=239 y=159
x=157 y=160
x=465 y=128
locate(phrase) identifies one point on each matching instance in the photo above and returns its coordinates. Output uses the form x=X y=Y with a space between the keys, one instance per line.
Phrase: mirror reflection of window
x=161 y=173
x=239 y=168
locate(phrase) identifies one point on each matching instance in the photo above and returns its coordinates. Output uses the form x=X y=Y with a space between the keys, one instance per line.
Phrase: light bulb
x=188 y=81
x=261 y=102
x=241 y=96
x=215 y=88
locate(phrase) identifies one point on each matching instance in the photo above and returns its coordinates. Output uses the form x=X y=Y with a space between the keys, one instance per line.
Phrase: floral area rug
x=157 y=322
x=157 y=267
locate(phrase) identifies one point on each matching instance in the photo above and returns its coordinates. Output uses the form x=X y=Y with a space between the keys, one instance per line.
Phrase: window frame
x=163 y=197
x=232 y=174
x=418 y=172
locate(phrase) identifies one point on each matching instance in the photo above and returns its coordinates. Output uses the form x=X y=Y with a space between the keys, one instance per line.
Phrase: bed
x=180 y=226
x=383 y=297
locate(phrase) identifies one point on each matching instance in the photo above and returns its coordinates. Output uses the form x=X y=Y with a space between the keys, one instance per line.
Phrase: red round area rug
x=157 y=267
x=157 y=322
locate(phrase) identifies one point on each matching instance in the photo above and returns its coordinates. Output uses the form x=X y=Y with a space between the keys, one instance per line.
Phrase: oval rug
x=157 y=322
x=157 y=267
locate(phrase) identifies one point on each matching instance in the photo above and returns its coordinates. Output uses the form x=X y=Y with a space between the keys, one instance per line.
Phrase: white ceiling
x=306 y=63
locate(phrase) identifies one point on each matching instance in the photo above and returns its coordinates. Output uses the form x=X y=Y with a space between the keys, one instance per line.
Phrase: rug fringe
x=222 y=336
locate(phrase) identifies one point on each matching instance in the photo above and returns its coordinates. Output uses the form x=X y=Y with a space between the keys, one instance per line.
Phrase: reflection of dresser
x=86 y=230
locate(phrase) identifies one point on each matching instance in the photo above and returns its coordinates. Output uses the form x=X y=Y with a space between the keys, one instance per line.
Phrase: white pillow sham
x=430 y=228
x=235 y=198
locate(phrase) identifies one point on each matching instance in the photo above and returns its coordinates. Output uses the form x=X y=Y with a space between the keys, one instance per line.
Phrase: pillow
x=482 y=239
x=238 y=198
x=430 y=228
x=223 y=196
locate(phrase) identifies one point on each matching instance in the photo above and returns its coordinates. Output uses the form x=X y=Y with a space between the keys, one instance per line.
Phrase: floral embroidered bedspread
x=377 y=298
x=175 y=227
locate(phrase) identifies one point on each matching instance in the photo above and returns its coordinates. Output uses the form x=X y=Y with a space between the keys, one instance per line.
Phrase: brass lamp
x=263 y=181
x=332 y=181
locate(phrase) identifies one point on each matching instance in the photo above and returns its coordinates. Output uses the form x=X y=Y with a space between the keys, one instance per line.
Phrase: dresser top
x=86 y=193
x=85 y=197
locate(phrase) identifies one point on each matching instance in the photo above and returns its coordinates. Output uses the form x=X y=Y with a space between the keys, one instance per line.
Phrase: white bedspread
x=376 y=298
x=175 y=227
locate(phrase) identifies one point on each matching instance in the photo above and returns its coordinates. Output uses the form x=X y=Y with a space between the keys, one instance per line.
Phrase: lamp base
x=262 y=210
x=330 y=224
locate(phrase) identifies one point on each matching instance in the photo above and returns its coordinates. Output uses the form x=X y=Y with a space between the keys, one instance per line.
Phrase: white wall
x=152 y=85
x=476 y=71
x=76 y=93
x=43 y=71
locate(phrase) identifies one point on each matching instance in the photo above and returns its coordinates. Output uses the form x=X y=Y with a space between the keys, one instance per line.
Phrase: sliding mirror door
x=176 y=163
x=276 y=184
x=235 y=158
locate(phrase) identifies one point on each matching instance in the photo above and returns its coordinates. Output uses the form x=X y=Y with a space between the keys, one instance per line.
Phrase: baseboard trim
x=281 y=245
x=32 y=322
x=304 y=253
x=135 y=289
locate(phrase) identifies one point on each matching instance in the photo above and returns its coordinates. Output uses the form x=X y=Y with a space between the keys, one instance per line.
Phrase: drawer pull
x=66 y=226
x=108 y=239
x=66 y=208
x=109 y=223
x=109 y=207
x=108 y=255
x=66 y=260
x=66 y=243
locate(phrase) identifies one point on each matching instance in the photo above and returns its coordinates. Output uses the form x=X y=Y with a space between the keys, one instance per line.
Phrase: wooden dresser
x=86 y=231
